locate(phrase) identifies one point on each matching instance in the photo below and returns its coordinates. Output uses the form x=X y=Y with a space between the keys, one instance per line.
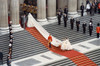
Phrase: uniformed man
x=65 y=20
x=84 y=25
x=98 y=30
x=82 y=9
x=72 y=22
x=59 y=18
x=90 y=28
x=77 y=24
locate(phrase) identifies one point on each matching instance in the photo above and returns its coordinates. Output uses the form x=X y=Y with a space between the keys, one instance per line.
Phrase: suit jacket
x=90 y=27
x=66 y=10
x=72 y=21
x=82 y=7
x=1 y=55
x=59 y=16
x=84 y=25
x=65 y=18
x=77 y=23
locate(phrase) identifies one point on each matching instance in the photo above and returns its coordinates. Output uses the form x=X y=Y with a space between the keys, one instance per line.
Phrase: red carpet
x=78 y=58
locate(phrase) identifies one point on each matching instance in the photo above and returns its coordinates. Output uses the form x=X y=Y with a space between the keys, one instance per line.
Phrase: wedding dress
x=66 y=45
x=30 y=22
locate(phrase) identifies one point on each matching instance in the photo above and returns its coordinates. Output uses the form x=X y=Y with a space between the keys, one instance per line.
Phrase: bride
x=66 y=45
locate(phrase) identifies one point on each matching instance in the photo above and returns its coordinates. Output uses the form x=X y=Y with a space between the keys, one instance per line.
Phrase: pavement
x=28 y=51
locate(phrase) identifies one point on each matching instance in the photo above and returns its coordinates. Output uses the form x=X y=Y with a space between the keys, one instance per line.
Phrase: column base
x=52 y=19
x=79 y=12
x=42 y=20
x=4 y=31
x=17 y=28
x=73 y=14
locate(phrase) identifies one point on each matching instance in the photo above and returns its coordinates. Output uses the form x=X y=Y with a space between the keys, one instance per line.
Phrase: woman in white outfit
x=88 y=8
x=66 y=45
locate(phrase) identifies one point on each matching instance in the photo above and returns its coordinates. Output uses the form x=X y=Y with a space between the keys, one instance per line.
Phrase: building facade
x=46 y=10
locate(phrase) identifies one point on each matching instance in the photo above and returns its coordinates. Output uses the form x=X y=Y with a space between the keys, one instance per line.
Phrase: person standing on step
x=66 y=10
x=82 y=9
x=88 y=8
x=1 y=56
x=77 y=24
x=72 y=22
x=91 y=20
x=92 y=9
x=84 y=25
x=98 y=30
x=10 y=24
x=59 y=18
x=96 y=6
x=49 y=40
x=65 y=20
x=99 y=7
x=90 y=28
x=24 y=19
x=61 y=11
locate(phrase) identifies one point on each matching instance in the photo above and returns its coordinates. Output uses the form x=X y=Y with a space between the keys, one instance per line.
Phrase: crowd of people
x=94 y=8
x=9 y=57
x=28 y=7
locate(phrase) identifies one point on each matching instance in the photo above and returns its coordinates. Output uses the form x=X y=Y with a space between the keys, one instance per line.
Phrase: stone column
x=62 y=3
x=41 y=10
x=84 y=2
x=51 y=9
x=9 y=5
x=21 y=1
x=3 y=16
x=14 y=13
x=72 y=8
x=79 y=4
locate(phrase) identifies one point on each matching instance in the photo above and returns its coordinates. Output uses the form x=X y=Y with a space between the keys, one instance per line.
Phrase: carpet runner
x=78 y=58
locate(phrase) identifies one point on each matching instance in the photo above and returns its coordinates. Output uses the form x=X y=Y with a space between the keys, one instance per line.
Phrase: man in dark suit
x=66 y=10
x=96 y=6
x=87 y=1
x=65 y=20
x=91 y=20
x=11 y=37
x=10 y=33
x=1 y=56
x=82 y=9
x=84 y=25
x=77 y=24
x=90 y=28
x=59 y=18
x=11 y=41
x=72 y=22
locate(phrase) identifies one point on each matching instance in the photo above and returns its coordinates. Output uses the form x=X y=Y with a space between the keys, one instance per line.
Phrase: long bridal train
x=33 y=23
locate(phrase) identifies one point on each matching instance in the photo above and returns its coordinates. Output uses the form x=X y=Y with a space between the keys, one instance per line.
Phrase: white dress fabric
x=88 y=6
x=66 y=45
x=30 y=22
